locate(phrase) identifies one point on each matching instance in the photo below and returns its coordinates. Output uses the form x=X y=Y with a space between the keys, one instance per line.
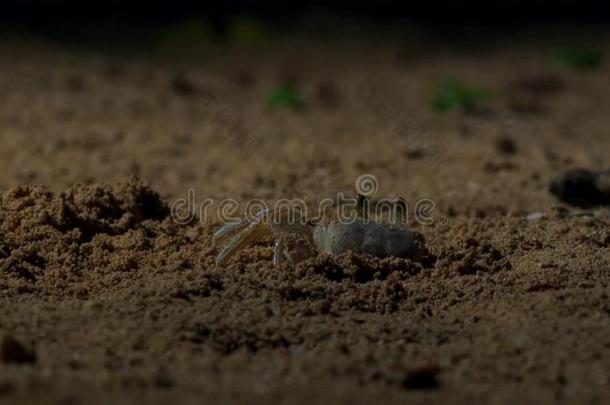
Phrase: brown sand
x=105 y=298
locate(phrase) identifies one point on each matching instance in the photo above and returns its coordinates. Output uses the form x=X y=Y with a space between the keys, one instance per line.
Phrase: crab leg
x=243 y=235
x=400 y=212
x=278 y=251
x=227 y=231
x=363 y=206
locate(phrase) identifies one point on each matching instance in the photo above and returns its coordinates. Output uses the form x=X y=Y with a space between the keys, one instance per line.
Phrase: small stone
x=244 y=79
x=539 y=85
x=421 y=378
x=520 y=340
x=14 y=352
x=75 y=83
x=582 y=188
x=162 y=379
x=536 y=216
x=327 y=94
x=413 y=154
x=183 y=86
x=505 y=145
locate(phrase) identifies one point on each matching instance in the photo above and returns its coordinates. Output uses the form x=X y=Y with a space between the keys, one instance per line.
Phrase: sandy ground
x=105 y=298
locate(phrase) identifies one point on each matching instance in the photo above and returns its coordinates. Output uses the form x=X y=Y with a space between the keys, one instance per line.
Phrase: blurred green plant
x=578 y=58
x=246 y=30
x=285 y=97
x=453 y=94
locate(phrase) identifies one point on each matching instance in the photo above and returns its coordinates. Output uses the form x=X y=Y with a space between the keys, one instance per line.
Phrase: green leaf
x=453 y=94
x=285 y=97
x=578 y=58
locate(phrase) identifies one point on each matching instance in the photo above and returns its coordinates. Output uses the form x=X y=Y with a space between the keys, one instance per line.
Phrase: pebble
x=536 y=216
x=582 y=188
x=13 y=351
x=505 y=145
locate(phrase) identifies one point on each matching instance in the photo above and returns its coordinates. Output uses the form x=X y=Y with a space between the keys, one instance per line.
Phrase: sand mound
x=44 y=234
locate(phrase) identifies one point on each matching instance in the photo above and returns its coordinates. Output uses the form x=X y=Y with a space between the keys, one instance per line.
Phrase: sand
x=105 y=297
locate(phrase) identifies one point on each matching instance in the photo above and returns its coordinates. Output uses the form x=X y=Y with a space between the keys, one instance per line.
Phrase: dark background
x=116 y=18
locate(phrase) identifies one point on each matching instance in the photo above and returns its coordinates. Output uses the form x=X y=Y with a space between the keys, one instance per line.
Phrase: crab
x=295 y=242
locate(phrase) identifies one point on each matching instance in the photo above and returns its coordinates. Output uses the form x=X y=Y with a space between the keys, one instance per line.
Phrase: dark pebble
x=423 y=378
x=505 y=145
x=327 y=94
x=244 y=79
x=75 y=83
x=582 y=188
x=539 y=85
x=183 y=86
x=14 y=352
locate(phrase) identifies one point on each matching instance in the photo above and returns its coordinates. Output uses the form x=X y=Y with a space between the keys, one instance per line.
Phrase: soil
x=105 y=296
